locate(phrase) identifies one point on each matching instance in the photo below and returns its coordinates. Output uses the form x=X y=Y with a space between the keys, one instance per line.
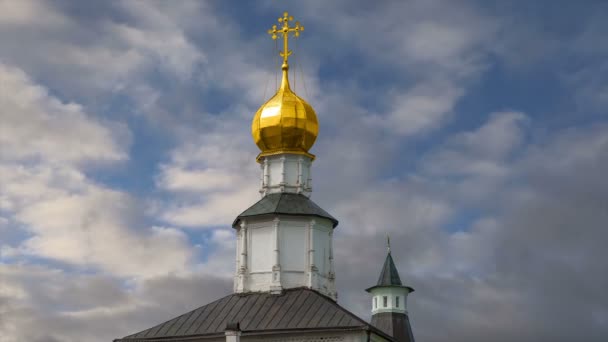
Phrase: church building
x=284 y=283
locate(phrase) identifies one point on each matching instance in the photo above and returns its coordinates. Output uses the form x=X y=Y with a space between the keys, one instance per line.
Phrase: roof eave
x=235 y=223
x=363 y=327
x=410 y=289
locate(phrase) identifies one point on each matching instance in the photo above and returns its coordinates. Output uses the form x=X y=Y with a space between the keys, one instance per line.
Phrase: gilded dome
x=285 y=123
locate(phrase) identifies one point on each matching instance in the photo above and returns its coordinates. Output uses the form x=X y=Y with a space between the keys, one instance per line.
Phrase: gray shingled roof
x=293 y=310
x=389 y=275
x=285 y=204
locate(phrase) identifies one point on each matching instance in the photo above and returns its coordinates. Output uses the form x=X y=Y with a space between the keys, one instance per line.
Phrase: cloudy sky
x=475 y=133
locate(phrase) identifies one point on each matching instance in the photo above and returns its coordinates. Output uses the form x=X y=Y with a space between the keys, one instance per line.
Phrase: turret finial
x=284 y=31
x=388 y=243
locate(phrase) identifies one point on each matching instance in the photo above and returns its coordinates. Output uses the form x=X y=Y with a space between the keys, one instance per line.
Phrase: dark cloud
x=43 y=304
x=534 y=268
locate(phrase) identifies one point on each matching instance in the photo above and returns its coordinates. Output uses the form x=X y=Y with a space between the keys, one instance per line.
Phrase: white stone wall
x=282 y=252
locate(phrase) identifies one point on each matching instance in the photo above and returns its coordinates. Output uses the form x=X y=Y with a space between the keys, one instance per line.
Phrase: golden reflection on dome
x=285 y=123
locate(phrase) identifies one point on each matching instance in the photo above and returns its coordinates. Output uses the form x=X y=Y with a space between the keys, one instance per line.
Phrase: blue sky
x=473 y=132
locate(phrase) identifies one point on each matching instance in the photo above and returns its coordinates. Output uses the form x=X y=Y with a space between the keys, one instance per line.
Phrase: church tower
x=284 y=282
x=389 y=302
x=285 y=240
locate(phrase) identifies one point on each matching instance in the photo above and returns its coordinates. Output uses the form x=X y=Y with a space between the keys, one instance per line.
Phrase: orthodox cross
x=284 y=31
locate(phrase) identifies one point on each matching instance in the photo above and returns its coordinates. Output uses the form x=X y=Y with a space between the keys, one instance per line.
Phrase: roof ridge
x=279 y=201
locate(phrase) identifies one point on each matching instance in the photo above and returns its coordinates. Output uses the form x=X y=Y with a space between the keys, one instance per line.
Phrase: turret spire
x=389 y=276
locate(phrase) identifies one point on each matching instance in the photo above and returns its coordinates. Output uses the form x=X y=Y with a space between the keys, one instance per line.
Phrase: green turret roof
x=389 y=275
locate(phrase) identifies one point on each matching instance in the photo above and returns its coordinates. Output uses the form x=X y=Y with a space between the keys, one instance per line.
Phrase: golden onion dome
x=285 y=123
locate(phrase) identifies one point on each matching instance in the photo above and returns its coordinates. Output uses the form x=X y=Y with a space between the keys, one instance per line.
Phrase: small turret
x=389 y=302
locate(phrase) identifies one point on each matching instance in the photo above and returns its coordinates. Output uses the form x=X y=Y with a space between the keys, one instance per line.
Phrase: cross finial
x=284 y=32
x=388 y=243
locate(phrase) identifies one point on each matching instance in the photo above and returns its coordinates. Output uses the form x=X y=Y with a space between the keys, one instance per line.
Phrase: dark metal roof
x=394 y=324
x=285 y=204
x=293 y=310
x=389 y=275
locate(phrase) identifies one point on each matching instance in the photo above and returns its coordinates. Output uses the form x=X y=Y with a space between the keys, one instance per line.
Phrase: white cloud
x=420 y=211
x=103 y=55
x=68 y=217
x=89 y=226
x=168 y=48
x=211 y=178
x=420 y=109
x=36 y=125
x=175 y=179
x=39 y=303
x=482 y=152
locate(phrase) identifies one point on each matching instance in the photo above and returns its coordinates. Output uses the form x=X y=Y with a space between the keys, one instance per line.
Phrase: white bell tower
x=285 y=239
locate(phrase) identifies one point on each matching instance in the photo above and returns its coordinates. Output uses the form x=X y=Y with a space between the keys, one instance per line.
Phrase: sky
x=474 y=133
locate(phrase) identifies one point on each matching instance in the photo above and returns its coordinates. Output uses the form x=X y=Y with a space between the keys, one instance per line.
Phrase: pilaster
x=331 y=276
x=265 y=177
x=242 y=264
x=312 y=268
x=309 y=179
x=276 y=267
x=300 y=182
